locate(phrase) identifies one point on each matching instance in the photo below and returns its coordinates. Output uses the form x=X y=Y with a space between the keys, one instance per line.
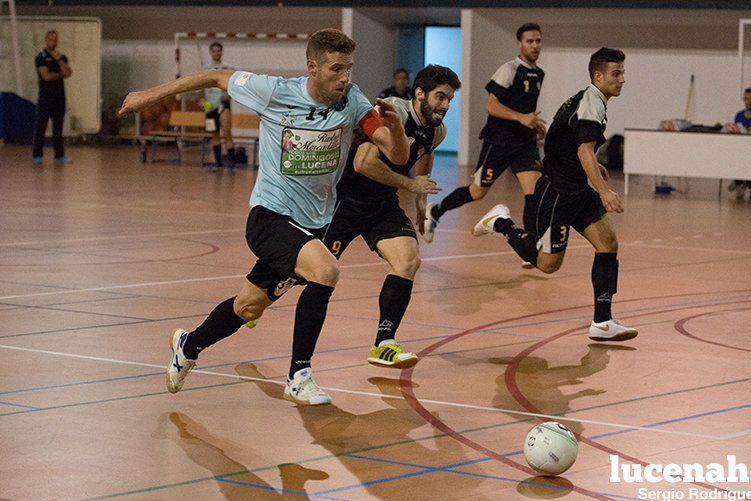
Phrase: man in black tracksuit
x=52 y=68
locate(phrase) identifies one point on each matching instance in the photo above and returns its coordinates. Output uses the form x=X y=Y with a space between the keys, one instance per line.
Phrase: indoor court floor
x=101 y=260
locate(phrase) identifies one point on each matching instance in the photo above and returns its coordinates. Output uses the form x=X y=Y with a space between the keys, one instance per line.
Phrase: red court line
x=680 y=326
x=406 y=383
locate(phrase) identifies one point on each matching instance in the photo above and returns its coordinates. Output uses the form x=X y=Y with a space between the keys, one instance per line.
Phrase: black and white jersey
x=581 y=119
x=517 y=85
x=422 y=139
x=53 y=90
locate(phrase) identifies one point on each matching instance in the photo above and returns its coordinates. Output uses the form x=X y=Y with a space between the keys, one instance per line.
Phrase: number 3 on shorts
x=564 y=233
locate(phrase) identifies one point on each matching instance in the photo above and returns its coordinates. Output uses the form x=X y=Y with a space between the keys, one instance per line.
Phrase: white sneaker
x=611 y=330
x=179 y=366
x=485 y=225
x=527 y=265
x=429 y=224
x=301 y=389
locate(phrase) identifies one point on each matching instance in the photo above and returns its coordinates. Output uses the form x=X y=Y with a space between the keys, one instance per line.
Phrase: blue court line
x=678 y=420
x=22 y=406
x=451 y=468
x=278 y=490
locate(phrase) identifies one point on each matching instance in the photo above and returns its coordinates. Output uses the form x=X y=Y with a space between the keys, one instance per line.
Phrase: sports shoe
x=527 y=265
x=429 y=224
x=611 y=330
x=301 y=389
x=179 y=366
x=37 y=160
x=390 y=354
x=63 y=160
x=485 y=225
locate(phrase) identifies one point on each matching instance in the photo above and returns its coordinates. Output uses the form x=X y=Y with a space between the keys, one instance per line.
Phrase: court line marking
x=678 y=247
x=227 y=277
x=373 y=394
x=118 y=237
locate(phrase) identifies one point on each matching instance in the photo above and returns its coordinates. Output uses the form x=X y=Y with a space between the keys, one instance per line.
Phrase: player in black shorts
x=368 y=204
x=563 y=197
x=510 y=134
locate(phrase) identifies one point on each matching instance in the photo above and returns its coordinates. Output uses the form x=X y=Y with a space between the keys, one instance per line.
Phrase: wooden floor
x=102 y=259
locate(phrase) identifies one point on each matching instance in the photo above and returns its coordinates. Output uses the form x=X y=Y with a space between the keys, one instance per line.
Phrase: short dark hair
x=748 y=89
x=328 y=40
x=216 y=44
x=527 y=27
x=600 y=59
x=49 y=33
x=434 y=75
x=400 y=70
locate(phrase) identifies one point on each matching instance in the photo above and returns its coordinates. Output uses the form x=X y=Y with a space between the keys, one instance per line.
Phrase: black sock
x=231 y=154
x=218 y=153
x=221 y=322
x=525 y=244
x=456 y=198
x=605 y=283
x=309 y=316
x=529 y=214
x=393 y=301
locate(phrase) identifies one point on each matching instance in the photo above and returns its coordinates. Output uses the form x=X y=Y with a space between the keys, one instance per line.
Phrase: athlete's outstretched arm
x=137 y=101
x=610 y=200
x=368 y=163
x=390 y=137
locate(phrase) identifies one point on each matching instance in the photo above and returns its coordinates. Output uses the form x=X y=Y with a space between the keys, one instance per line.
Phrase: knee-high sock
x=221 y=323
x=218 y=154
x=525 y=244
x=309 y=316
x=453 y=200
x=605 y=283
x=393 y=301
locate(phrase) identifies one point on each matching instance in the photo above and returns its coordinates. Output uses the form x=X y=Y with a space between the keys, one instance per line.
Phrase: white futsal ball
x=550 y=448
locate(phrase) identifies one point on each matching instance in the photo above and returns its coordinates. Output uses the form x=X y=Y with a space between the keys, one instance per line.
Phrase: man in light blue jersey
x=305 y=133
x=218 y=112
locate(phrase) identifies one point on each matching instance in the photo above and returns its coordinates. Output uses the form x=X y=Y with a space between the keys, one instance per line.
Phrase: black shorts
x=216 y=113
x=276 y=240
x=496 y=158
x=373 y=221
x=550 y=214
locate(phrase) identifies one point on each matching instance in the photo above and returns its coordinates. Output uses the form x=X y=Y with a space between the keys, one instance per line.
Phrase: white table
x=686 y=154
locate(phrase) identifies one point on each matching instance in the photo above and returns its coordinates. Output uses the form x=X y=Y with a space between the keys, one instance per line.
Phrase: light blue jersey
x=214 y=94
x=303 y=144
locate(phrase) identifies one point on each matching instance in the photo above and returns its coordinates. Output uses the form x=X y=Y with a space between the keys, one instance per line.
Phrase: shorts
x=496 y=158
x=276 y=240
x=373 y=221
x=216 y=113
x=550 y=214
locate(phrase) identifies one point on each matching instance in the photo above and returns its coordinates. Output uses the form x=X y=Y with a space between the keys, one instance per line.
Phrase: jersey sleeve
x=501 y=81
x=64 y=58
x=39 y=61
x=739 y=118
x=588 y=119
x=251 y=90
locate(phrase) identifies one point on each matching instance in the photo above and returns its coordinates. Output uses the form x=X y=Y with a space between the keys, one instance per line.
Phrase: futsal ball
x=550 y=448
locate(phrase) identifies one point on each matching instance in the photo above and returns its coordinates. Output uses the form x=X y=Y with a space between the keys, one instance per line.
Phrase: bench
x=190 y=127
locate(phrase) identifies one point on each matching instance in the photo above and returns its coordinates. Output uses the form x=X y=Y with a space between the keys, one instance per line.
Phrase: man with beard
x=368 y=204
x=510 y=134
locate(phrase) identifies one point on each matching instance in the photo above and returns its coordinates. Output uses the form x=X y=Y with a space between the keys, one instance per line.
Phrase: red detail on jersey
x=370 y=123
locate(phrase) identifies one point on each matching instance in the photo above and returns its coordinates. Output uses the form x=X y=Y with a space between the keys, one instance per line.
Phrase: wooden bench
x=192 y=129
